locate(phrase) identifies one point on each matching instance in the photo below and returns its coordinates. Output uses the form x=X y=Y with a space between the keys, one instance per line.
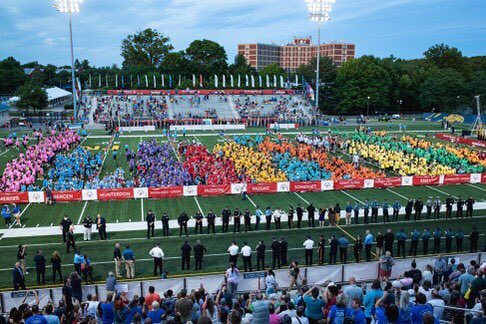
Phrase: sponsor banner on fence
x=369 y=183
x=483 y=178
x=213 y=190
x=388 y=182
x=201 y=92
x=462 y=140
x=190 y=191
x=283 y=126
x=238 y=188
x=425 y=180
x=67 y=196
x=283 y=186
x=327 y=185
x=115 y=194
x=166 y=192
x=14 y=197
x=140 y=193
x=262 y=187
x=475 y=177
x=457 y=178
x=407 y=181
x=90 y=194
x=304 y=186
x=349 y=184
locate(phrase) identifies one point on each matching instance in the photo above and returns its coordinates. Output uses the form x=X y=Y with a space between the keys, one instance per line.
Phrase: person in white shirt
x=233 y=253
x=300 y=319
x=309 y=249
x=246 y=253
x=437 y=301
x=158 y=256
x=277 y=216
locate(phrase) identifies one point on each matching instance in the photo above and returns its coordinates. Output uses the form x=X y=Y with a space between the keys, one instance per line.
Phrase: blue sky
x=33 y=30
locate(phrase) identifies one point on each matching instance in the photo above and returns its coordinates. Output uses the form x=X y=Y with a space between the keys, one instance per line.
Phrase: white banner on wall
x=208 y=127
x=36 y=196
x=140 y=192
x=90 y=194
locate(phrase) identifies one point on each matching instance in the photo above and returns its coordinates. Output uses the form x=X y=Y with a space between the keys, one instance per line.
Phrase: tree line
x=442 y=80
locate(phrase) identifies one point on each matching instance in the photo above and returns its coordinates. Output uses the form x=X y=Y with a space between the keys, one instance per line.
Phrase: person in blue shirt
x=425 y=241
x=396 y=209
x=448 y=235
x=37 y=318
x=357 y=313
x=356 y=212
x=415 y=238
x=129 y=258
x=385 y=207
x=343 y=249
x=368 y=243
x=370 y=298
x=366 y=208
x=401 y=239
x=108 y=311
x=348 y=209
x=156 y=313
x=459 y=238
x=405 y=308
x=386 y=310
x=7 y=215
x=374 y=211
x=340 y=310
x=437 y=237
x=420 y=309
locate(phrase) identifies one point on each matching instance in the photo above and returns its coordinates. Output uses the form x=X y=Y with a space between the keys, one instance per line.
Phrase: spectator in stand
x=340 y=310
x=232 y=279
x=353 y=291
x=370 y=297
x=151 y=297
x=314 y=310
x=386 y=310
x=420 y=309
x=107 y=310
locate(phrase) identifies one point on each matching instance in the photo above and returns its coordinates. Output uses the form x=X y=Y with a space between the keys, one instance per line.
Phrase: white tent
x=57 y=95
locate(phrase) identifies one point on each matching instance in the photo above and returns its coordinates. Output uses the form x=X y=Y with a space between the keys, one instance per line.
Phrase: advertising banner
x=166 y=192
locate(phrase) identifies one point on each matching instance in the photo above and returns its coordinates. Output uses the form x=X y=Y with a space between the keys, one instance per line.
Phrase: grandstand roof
x=56 y=93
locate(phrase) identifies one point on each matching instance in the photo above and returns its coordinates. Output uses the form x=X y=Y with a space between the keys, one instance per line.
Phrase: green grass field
x=134 y=210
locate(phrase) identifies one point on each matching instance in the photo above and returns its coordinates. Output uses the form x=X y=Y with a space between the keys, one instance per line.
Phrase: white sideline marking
x=351 y=196
x=82 y=212
x=304 y=200
x=398 y=194
x=442 y=192
x=476 y=187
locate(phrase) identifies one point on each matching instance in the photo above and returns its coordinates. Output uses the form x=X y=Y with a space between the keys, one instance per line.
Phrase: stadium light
x=70 y=6
x=319 y=11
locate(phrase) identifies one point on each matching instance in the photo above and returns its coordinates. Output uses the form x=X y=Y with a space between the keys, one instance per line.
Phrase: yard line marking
x=82 y=212
x=398 y=194
x=199 y=206
x=250 y=200
x=21 y=213
x=304 y=200
x=476 y=187
x=351 y=196
x=141 y=203
x=5 y=152
x=440 y=191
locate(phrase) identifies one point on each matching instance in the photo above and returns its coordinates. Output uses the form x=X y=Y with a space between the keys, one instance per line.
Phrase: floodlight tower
x=319 y=11
x=70 y=7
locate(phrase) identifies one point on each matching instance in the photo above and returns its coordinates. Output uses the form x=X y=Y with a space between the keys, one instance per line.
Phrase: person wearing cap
x=246 y=253
x=425 y=241
x=428 y=206
x=460 y=207
x=65 y=225
x=473 y=240
x=233 y=253
x=309 y=249
x=333 y=248
x=469 y=207
x=321 y=248
x=283 y=251
x=199 y=222
x=211 y=218
x=70 y=240
x=165 y=224
x=199 y=250
x=186 y=255
x=260 y=249
x=150 y=219
x=158 y=256
x=87 y=224
x=401 y=239
x=275 y=253
x=182 y=221
x=247 y=218
x=436 y=204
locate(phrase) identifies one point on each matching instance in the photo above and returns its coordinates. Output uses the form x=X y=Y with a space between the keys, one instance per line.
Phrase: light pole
x=319 y=11
x=368 y=107
x=70 y=6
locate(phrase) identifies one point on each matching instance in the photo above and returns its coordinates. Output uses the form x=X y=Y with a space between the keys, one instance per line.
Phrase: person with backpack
x=340 y=312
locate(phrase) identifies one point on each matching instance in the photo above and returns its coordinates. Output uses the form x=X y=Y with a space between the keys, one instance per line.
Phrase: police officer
x=473 y=240
x=65 y=224
x=425 y=240
x=199 y=251
x=385 y=212
x=469 y=206
x=283 y=251
x=379 y=244
x=87 y=224
x=236 y=220
x=275 y=253
x=225 y=215
x=460 y=207
x=366 y=208
x=247 y=217
x=182 y=220
x=459 y=238
x=150 y=219
x=300 y=214
x=418 y=206
x=389 y=239
x=396 y=209
x=449 y=202
x=374 y=211
x=333 y=247
x=408 y=209
x=437 y=237
x=343 y=249
x=311 y=210
x=428 y=206
x=211 y=218
x=290 y=216
x=246 y=254
x=415 y=238
x=448 y=234
x=199 y=222
x=320 y=249
x=356 y=209
x=401 y=239
x=260 y=249
x=436 y=205
x=186 y=255
x=165 y=224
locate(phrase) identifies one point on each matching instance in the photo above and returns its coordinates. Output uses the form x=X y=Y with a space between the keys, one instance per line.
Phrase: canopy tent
x=55 y=96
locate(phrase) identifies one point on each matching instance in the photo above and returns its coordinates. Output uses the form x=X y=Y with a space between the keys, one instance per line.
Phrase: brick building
x=291 y=56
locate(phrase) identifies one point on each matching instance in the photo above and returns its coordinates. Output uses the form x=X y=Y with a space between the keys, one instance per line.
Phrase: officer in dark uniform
x=199 y=222
x=165 y=224
x=65 y=224
x=320 y=249
x=186 y=255
x=283 y=251
x=418 y=207
x=290 y=217
x=437 y=237
x=236 y=220
x=150 y=219
x=473 y=240
x=408 y=209
x=460 y=207
x=389 y=239
x=401 y=239
x=459 y=239
x=425 y=241
x=415 y=238
x=311 y=210
x=199 y=251
x=449 y=202
x=182 y=220
x=247 y=217
x=275 y=253
x=211 y=218
x=260 y=249
x=448 y=235
x=380 y=239
x=333 y=248
x=469 y=206
x=225 y=215
x=300 y=214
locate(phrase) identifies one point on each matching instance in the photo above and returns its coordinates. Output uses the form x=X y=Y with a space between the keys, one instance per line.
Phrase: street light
x=368 y=107
x=70 y=6
x=319 y=11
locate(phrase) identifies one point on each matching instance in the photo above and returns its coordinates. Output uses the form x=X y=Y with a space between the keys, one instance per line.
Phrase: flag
x=193 y=81
x=282 y=85
x=162 y=78
x=123 y=82
x=309 y=91
x=231 y=80
x=246 y=80
x=239 y=81
x=252 y=81
x=260 y=81
x=216 y=81
x=116 y=81
x=146 y=81
x=296 y=79
x=99 y=81
x=138 y=80
x=179 y=83
x=131 y=81
x=224 y=81
x=155 y=82
x=275 y=81
x=170 y=80
x=200 y=80
x=90 y=80
x=77 y=86
x=268 y=81
x=106 y=76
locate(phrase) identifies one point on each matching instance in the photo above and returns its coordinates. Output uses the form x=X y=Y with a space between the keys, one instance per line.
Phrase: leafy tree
x=31 y=65
x=32 y=96
x=445 y=57
x=442 y=90
x=207 y=58
x=145 y=48
x=272 y=69
x=175 y=63
x=241 y=66
x=327 y=70
x=12 y=75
